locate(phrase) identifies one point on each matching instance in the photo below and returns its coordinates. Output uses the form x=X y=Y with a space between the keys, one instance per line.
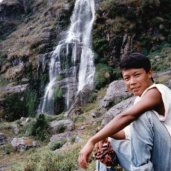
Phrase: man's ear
x=150 y=73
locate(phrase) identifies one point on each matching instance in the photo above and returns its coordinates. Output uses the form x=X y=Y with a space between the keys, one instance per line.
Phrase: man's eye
x=137 y=75
x=126 y=79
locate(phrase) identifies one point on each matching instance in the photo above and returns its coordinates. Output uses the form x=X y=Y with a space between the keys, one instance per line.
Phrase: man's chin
x=136 y=93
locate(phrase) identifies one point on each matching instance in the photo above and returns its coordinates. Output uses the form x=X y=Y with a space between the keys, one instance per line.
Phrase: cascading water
x=71 y=67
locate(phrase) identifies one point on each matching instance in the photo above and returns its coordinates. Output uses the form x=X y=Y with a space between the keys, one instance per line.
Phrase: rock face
x=117 y=109
x=14 y=89
x=10 y=9
x=33 y=30
x=12 y=92
x=115 y=93
x=81 y=98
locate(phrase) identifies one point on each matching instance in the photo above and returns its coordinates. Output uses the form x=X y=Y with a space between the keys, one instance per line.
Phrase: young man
x=146 y=144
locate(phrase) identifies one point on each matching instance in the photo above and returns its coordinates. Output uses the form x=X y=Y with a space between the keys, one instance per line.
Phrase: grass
x=44 y=159
x=62 y=159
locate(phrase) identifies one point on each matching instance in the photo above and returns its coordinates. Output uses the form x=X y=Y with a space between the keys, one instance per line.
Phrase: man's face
x=137 y=80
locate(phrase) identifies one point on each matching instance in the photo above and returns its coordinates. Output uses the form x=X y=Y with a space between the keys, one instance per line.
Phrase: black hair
x=135 y=60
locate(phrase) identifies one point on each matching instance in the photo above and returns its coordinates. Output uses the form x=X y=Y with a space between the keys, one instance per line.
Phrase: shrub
x=19 y=105
x=56 y=145
x=38 y=128
x=103 y=75
x=61 y=128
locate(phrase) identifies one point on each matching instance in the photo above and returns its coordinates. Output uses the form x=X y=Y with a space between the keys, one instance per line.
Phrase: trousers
x=148 y=149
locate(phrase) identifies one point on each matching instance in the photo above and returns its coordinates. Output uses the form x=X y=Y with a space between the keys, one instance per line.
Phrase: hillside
x=29 y=33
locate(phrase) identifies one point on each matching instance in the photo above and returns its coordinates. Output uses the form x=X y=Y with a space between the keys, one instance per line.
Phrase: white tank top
x=166 y=97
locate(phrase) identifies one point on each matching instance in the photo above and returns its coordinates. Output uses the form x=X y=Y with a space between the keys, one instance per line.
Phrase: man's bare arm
x=119 y=135
x=149 y=101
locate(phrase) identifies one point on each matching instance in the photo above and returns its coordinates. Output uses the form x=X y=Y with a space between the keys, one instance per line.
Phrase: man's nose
x=132 y=80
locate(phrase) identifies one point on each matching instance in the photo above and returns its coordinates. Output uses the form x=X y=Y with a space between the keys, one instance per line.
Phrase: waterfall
x=71 y=66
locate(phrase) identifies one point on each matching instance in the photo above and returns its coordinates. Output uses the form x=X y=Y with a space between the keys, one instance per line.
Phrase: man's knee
x=146 y=118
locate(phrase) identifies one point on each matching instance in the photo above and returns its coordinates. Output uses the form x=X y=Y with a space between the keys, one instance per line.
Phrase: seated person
x=140 y=135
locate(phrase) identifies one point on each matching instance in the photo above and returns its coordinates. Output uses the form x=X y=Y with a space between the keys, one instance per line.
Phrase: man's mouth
x=135 y=89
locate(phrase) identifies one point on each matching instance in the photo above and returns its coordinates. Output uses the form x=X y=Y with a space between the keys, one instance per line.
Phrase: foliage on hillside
x=133 y=26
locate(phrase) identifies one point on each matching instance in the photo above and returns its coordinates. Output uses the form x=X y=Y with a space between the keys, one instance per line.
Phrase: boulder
x=117 y=109
x=61 y=126
x=115 y=93
x=23 y=143
x=169 y=83
x=95 y=114
x=80 y=99
x=61 y=137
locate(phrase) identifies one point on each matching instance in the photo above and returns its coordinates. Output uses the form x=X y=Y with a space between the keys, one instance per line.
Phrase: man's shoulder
x=163 y=88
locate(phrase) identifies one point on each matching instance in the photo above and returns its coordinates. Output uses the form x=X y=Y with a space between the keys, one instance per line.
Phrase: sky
x=1 y=1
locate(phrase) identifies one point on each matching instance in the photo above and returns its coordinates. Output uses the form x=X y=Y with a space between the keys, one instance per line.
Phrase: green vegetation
x=56 y=145
x=144 y=25
x=7 y=149
x=38 y=128
x=58 y=100
x=20 y=105
x=47 y=160
x=161 y=57
x=104 y=75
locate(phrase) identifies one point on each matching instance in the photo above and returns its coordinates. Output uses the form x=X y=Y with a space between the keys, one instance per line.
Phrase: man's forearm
x=113 y=127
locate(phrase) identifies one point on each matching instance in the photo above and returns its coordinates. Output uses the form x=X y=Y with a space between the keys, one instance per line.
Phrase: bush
x=56 y=145
x=38 y=128
x=103 y=75
x=19 y=105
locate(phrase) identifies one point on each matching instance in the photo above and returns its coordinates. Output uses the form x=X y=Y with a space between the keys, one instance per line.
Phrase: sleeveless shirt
x=166 y=118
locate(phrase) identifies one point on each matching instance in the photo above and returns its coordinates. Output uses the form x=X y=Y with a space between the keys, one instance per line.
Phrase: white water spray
x=64 y=61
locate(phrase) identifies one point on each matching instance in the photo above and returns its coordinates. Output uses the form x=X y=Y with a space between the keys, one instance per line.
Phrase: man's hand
x=85 y=154
x=98 y=150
